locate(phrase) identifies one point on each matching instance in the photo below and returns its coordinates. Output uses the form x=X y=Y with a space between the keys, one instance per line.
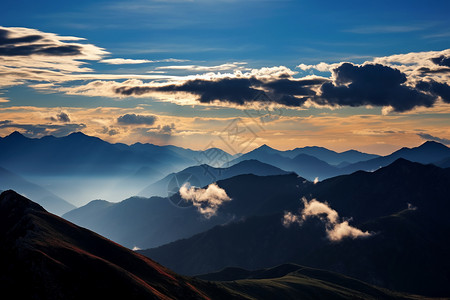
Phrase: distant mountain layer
x=81 y=168
x=311 y=162
x=404 y=207
x=78 y=153
x=50 y=201
x=45 y=257
x=204 y=174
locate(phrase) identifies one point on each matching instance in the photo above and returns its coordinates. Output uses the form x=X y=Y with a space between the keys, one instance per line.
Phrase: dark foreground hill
x=43 y=256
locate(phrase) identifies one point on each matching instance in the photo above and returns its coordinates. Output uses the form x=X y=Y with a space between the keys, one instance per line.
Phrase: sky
x=367 y=75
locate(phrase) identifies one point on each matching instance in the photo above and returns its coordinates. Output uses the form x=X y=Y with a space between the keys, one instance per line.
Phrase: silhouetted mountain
x=405 y=207
x=145 y=223
x=45 y=257
x=305 y=165
x=50 y=201
x=204 y=174
x=329 y=156
x=427 y=153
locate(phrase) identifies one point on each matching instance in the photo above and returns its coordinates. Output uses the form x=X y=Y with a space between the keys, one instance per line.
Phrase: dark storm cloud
x=435 y=88
x=236 y=90
x=33 y=44
x=372 y=84
x=441 y=61
x=62 y=117
x=425 y=70
x=133 y=119
x=351 y=85
x=39 y=130
x=429 y=137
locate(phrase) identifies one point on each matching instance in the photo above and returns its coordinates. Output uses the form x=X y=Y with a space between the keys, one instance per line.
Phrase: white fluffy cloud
x=336 y=230
x=207 y=201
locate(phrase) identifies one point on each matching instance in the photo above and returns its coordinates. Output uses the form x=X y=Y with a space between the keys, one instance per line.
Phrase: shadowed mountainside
x=404 y=206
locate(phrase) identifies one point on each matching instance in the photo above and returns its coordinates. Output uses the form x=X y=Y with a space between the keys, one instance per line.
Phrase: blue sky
x=169 y=40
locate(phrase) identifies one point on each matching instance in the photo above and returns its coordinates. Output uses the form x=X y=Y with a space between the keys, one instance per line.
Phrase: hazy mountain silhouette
x=427 y=153
x=50 y=201
x=329 y=156
x=305 y=165
x=81 y=168
x=404 y=205
x=43 y=256
x=150 y=222
x=204 y=174
x=308 y=163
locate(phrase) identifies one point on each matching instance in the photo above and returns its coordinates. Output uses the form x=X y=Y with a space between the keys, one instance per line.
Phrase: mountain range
x=403 y=207
x=316 y=162
x=150 y=222
x=43 y=256
x=102 y=170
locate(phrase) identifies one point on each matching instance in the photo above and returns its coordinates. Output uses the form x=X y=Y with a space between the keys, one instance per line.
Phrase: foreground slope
x=45 y=257
x=55 y=259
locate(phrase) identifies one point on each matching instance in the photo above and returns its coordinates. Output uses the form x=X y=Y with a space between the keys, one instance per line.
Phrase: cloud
x=129 y=61
x=336 y=230
x=237 y=90
x=372 y=84
x=429 y=137
x=125 y=61
x=207 y=201
x=30 y=54
x=441 y=60
x=436 y=89
x=321 y=67
x=222 y=67
x=40 y=130
x=396 y=83
x=133 y=119
x=109 y=131
x=62 y=117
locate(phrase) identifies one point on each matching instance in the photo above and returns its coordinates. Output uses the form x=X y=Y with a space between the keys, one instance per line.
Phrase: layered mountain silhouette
x=427 y=153
x=403 y=206
x=329 y=156
x=43 y=256
x=53 y=203
x=312 y=162
x=305 y=165
x=81 y=168
x=204 y=174
x=150 y=222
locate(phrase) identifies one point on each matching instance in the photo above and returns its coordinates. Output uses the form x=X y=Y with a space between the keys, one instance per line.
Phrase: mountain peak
x=77 y=133
x=13 y=204
x=432 y=144
x=15 y=135
x=265 y=147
